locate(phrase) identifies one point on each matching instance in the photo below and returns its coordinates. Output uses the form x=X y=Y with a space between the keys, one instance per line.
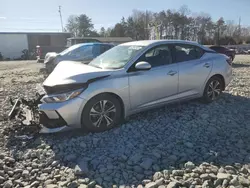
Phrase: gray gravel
x=181 y=145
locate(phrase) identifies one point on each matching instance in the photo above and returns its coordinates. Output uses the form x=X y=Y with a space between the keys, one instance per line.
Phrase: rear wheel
x=102 y=113
x=213 y=89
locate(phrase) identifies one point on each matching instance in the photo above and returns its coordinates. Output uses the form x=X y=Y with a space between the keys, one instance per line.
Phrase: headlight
x=62 y=97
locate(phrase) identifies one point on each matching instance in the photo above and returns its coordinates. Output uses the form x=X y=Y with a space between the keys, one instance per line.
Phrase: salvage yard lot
x=144 y=150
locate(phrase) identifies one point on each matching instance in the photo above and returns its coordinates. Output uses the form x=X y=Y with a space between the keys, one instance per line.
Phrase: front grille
x=51 y=123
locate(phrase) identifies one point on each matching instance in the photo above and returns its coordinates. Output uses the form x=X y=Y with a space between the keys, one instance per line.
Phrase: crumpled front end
x=59 y=102
x=57 y=117
x=46 y=117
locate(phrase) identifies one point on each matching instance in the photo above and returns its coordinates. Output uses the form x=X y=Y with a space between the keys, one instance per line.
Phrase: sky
x=43 y=15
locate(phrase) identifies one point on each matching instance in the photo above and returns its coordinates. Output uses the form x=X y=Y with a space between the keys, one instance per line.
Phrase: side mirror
x=143 y=65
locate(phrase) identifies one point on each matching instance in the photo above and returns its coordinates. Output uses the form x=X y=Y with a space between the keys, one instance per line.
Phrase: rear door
x=194 y=69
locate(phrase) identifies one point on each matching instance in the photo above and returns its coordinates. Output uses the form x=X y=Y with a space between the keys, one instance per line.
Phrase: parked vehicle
x=223 y=50
x=127 y=79
x=80 y=52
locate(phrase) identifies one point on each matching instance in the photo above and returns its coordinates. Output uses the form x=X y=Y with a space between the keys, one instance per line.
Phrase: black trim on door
x=170 y=46
x=187 y=45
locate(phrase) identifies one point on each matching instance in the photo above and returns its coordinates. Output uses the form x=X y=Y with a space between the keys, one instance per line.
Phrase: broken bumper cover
x=57 y=124
x=49 y=117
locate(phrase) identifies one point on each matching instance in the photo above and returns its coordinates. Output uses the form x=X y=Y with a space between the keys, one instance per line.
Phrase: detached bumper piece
x=33 y=120
x=25 y=110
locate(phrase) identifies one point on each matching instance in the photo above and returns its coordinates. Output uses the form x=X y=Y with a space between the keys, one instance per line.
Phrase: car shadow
x=163 y=138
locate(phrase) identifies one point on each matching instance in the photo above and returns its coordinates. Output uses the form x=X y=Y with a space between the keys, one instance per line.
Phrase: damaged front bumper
x=45 y=117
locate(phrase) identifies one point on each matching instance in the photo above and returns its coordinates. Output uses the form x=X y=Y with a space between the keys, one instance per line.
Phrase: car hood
x=70 y=72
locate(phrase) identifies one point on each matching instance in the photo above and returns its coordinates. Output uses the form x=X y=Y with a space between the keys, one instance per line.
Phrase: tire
x=211 y=94
x=96 y=120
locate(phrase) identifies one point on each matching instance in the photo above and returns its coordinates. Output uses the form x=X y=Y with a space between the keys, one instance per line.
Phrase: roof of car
x=150 y=42
x=93 y=43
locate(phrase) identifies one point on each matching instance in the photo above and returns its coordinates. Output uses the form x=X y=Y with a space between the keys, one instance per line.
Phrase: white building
x=13 y=43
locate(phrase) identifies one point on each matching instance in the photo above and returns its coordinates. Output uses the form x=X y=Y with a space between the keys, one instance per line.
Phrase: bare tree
x=230 y=28
x=102 y=32
x=181 y=24
x=72 y=25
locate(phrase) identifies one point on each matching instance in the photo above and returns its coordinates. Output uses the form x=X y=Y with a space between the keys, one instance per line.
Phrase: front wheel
x=102 y=113
x=213 y=89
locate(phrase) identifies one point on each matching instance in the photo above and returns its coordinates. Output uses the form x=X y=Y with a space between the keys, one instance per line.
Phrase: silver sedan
x=130 y=78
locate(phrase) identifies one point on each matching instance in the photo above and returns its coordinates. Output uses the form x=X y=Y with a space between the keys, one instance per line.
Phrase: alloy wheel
x=102 y=113
x=214 y=89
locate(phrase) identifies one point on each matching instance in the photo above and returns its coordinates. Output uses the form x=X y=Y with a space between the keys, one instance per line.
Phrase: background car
x=130 y=78
x=84 y=52
x=223 y=50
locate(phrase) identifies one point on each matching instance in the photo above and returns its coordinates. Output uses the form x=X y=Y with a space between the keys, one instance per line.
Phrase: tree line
x=166 y=24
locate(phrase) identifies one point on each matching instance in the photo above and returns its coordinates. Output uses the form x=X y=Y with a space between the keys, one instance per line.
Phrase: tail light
x=229 y=61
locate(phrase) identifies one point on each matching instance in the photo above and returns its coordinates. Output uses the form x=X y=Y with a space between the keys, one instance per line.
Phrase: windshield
x=70 y=49
x=117 y=57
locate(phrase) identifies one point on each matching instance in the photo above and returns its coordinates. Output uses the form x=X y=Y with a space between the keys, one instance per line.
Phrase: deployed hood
x=50 y=56
x=71 y=72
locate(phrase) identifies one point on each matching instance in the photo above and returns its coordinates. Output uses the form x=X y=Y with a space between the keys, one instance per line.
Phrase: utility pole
x=146 y=25
x=239 y=26
x=60 y=13
x=218 y=39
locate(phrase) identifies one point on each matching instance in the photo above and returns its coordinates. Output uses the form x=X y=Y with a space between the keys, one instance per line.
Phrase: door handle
x=206 y=65
x=172 y=73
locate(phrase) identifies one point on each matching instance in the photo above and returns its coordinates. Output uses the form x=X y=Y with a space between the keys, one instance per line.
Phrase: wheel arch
x=111 y=94
x=221 y=77
x=119 y=99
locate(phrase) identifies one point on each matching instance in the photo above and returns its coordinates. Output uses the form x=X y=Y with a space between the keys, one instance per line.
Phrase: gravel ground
x=182 y=145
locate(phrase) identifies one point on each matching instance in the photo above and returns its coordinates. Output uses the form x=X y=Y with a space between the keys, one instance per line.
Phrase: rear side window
x=104 y=48
x=187 y=52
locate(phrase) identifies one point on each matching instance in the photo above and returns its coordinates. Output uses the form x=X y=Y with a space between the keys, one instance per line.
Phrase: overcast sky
x=30 y=15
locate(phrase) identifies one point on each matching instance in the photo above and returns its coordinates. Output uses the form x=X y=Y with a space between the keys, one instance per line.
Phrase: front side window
x=116 y=57
x=187 y=53
x=70 y=49
x=158 y=56
x=84 y=52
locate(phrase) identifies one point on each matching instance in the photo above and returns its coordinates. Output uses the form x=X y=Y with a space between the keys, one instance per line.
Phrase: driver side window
x=83 y=53
x=158 y=56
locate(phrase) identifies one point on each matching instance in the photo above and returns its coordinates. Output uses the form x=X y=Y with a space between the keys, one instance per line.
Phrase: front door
x=157 y=85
